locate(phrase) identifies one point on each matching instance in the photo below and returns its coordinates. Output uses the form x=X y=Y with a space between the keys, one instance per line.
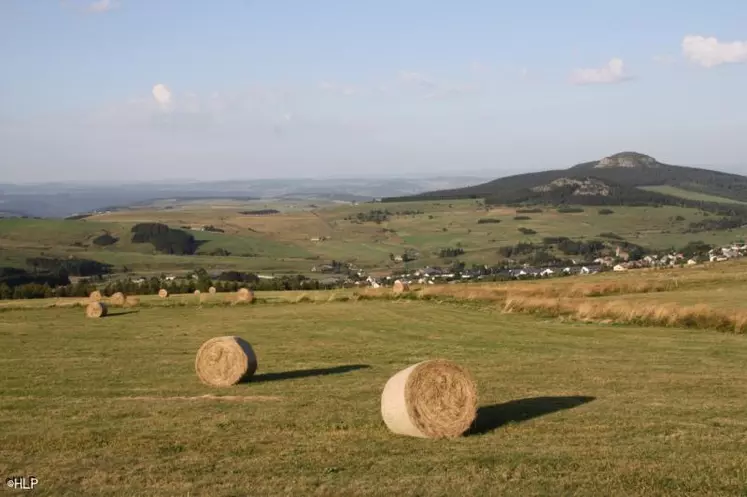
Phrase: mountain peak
x=628 y=160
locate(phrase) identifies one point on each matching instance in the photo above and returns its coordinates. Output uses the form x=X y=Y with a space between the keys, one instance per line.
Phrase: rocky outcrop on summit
x=627 y=160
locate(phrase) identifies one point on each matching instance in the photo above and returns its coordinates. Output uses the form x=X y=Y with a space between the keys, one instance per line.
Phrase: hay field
x=688 y=194
x=285 y=242
x=113 y=407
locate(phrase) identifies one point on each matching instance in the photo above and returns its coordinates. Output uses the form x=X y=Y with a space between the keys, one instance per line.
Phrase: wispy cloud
x=416 y=78
x=345 y=90
x=709 y=52
x=610 y=73
x=432 y=89
x=100 y=6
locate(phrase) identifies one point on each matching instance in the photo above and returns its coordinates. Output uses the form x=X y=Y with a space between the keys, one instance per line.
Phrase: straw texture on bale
x=163 y=293
x=430 y=399
x=96 y=310
x=131 y=301
x=212 y=290
x=225 y=361
x=400 y=287
x=244 y=295
x=118 y=299
x=95 y=296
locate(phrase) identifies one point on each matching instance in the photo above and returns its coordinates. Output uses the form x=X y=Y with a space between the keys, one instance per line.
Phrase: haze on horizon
x=142 y=90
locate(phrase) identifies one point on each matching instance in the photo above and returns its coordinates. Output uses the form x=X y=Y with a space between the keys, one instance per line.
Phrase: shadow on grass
x=306 y=373
x=123 y=313
x=490 y=418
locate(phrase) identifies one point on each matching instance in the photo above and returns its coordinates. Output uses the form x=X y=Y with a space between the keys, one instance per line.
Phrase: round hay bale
x=212 y=290
x=197 y=293
x=244 y=295
x=131 y=301
x=430 y=399
x=95 y=296
x=163 y=293
x=225 y=361
x=96 y=310
x=400 y=287
x=118 y=299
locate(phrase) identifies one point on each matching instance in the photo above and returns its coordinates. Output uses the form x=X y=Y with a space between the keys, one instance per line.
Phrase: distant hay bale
x=430 y=399
x=212 y=290
x=225 y=361
x=163 y=293
x=131 y=301
x=96 y=310
x=197 y=293
x=244 y=295
x=400 y=287
x=95 y=296
x=118 y=299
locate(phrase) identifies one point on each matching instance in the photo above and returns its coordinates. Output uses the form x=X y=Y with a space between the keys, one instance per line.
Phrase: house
x=170 y=278
x=584 y=270
x=621 y=254
x=547 y=272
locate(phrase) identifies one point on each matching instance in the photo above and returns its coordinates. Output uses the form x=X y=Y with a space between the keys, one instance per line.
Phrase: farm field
x=113 y=407
x=690 y=195
x=288 y=242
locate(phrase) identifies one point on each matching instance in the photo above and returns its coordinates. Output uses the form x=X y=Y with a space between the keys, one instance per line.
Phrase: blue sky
x=158 y=89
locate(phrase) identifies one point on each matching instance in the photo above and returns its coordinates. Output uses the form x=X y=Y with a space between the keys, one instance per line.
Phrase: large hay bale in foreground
x=400 y=287
x=430 y=399
x=163 y=293
x=212 y=290
x=244 y=295
x=225 y=361
x=96 y=310
x=118 y=299
x=95 y=296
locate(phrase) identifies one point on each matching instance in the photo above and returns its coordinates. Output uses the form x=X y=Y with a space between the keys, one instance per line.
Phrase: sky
x=240 y=89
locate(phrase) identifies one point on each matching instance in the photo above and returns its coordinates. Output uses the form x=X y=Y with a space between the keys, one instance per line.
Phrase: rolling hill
x=626 y=178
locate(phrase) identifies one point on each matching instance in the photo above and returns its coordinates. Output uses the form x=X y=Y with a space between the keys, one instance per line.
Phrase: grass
x=689 y=195
x=113 y=406
x=285 y=242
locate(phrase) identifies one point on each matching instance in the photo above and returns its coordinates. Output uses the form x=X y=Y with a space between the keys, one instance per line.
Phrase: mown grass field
x=284 y=242
x=688 y=194
x=112 y=407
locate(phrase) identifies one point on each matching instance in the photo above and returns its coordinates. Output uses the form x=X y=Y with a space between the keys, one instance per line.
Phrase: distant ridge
x=625 y=178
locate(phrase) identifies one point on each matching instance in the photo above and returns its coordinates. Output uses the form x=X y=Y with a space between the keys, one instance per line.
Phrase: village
x=431 y=275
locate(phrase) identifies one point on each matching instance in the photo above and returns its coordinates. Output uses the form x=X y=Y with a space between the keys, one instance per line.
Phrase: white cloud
x=612 y=72
x=162 y=95
x=102 y=6
x=709 y=52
